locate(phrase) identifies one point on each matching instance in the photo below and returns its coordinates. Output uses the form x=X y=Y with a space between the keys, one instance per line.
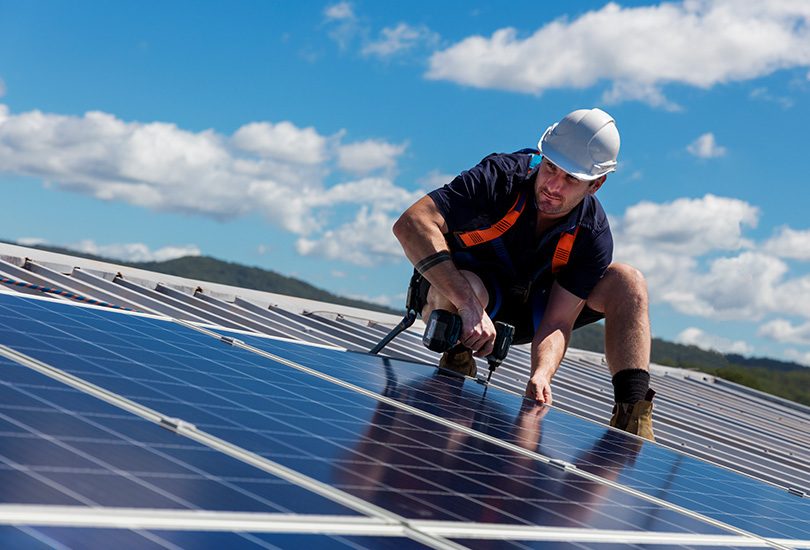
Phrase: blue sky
x=290 y=135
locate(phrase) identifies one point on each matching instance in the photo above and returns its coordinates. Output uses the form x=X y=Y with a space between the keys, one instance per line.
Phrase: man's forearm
x=548 y=350
x=419 y=231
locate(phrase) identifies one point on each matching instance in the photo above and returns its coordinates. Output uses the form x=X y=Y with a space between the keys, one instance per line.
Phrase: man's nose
x=556 y=182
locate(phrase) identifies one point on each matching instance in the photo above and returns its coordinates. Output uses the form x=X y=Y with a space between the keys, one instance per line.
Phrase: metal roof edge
x=65 y=263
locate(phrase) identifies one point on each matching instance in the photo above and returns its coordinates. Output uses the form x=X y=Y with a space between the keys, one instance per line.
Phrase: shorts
x=521 y=309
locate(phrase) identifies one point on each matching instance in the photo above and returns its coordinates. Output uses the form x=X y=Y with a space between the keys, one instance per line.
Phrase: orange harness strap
x=478 y=236
x=563 y=251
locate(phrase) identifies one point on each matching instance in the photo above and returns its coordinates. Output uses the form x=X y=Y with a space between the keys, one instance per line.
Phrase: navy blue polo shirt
x=481 y=196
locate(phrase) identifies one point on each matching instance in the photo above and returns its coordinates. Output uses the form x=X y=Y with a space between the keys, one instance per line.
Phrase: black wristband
x=434 y=259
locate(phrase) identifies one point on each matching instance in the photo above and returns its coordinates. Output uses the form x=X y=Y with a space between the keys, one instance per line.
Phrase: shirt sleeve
x=590 y=258
x=475 y=195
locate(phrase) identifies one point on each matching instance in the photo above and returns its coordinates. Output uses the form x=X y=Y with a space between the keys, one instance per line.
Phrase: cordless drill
x=443 y=331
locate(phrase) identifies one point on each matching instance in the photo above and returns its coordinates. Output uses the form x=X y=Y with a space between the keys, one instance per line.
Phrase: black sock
x=630 y=385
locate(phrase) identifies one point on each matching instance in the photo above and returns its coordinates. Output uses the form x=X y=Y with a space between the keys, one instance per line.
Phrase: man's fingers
x=547 y=395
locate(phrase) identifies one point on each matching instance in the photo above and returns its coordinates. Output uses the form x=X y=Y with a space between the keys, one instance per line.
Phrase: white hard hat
x=584 y=144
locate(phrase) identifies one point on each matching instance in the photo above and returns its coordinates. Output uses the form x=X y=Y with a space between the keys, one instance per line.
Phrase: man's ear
x=596 y=184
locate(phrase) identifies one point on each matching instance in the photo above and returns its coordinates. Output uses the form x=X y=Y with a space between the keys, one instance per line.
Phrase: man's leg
x=621 y=295
x=459 y=358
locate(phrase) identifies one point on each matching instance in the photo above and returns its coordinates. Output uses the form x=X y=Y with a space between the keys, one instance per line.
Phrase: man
x=521 y=238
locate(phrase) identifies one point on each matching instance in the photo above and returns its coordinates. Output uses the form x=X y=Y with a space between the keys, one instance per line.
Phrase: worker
x=522 y=238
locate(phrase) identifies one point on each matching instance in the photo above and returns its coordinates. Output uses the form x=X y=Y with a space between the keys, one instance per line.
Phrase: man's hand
x=539 y=388
x=477 y=331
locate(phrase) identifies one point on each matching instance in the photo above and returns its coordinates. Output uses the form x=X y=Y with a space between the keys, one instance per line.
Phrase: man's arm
x=420 y=231
x=551 y=340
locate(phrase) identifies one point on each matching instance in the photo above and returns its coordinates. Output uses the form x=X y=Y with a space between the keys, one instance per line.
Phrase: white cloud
x=789 y=243
x=696 y=258
x=365 y=241
x=128 y=252
x=380 y=191
x=135 y=252
x=637 y=91
x=741 y=287
x=382 y=299
x=637 y=50
x=694 y=336
x=687 y=226
x=366 y=156
x=782 y=330
x=31 y=241
x=706 y=147
x=283 y=141
x=343 y=23
x=763 y=94
x=802 y=357
x=339 y=11
x=274 y=169
x=403 y=37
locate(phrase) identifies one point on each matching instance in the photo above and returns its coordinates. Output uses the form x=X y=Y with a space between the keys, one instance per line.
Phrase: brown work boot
x=459 y=359
x=635 y=418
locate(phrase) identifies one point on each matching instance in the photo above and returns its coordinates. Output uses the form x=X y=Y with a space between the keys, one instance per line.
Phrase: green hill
x=205 y=268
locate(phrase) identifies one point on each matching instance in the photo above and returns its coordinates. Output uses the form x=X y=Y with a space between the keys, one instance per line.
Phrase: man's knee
x=435 y=300
x=622 y=284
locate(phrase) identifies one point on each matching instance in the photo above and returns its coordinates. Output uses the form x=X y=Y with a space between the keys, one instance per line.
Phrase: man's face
x=557 y=192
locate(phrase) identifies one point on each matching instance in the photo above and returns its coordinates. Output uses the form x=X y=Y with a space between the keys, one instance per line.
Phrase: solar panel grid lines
x=107 y=316
x=155 y=417
x=192 y=433
x=185 y=429
x=90 y=479
x=732 y=455
x=740 y=508
x=479 y=434
x=207 y=439
x=60 y=538
x=734 y=448
x=598 y=383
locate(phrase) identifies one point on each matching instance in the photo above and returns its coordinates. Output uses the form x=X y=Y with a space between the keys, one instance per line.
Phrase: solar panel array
x=143 y=430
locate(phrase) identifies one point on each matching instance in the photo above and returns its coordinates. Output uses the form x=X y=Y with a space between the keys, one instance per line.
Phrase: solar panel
x=373 y=447
x=685 y=481
x=48 y=538
x=64 y=447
